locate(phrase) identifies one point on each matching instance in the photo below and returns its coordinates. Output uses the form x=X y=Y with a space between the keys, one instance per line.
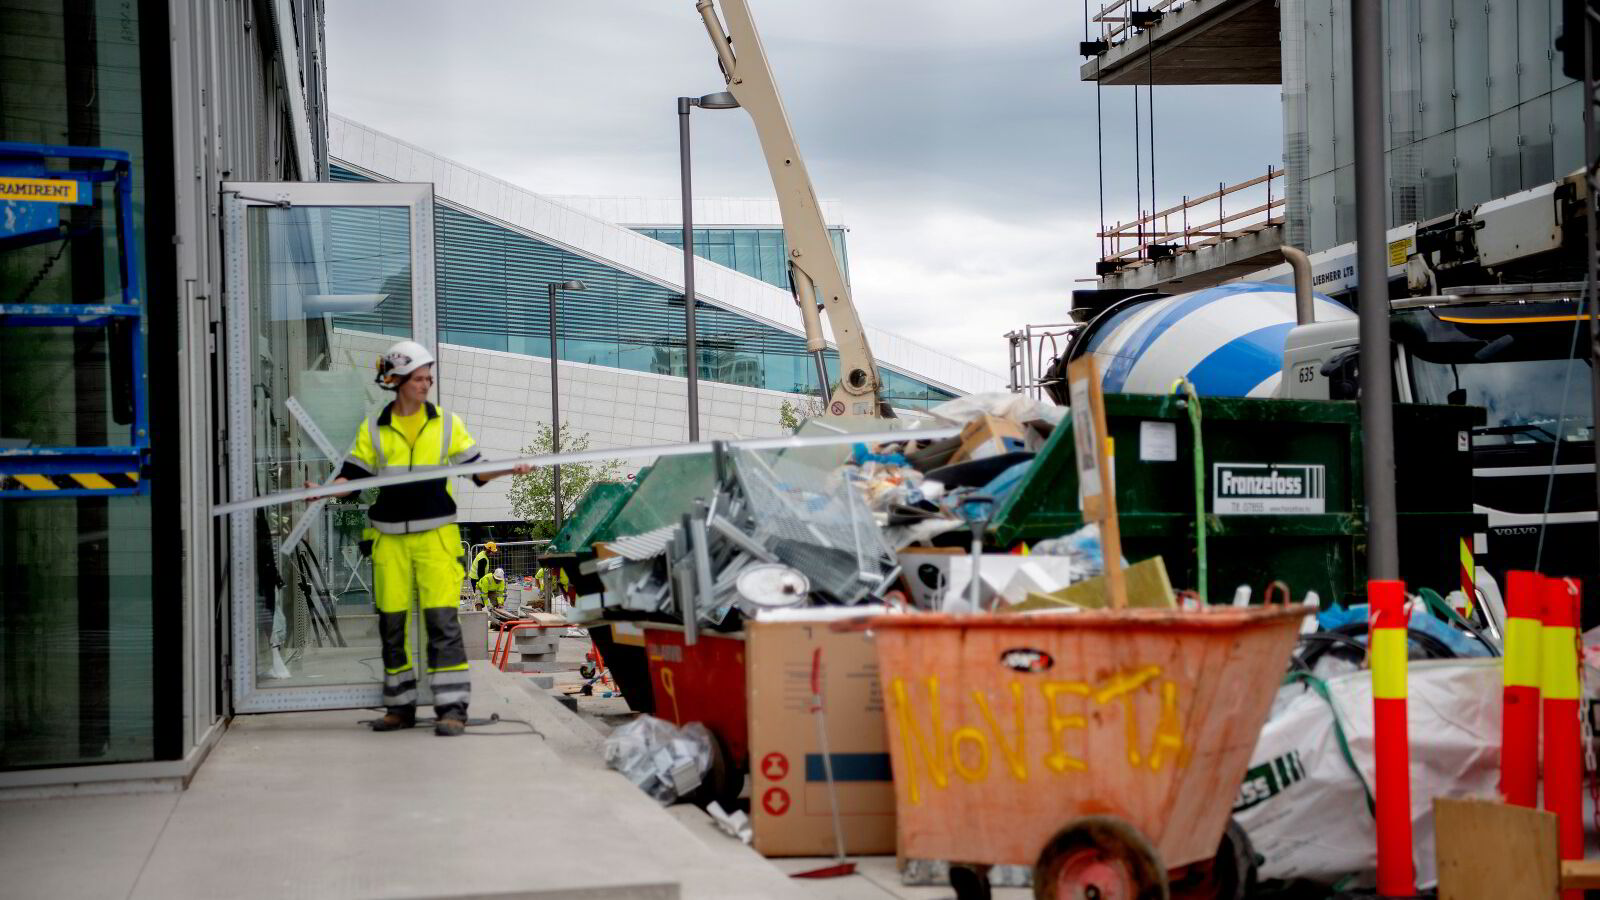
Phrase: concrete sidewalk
x=314 y=805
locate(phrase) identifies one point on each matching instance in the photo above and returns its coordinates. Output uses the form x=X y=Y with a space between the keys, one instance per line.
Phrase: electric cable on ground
x=494 y=719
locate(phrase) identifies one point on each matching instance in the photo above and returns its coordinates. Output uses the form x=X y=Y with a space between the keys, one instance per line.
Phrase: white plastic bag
x=1001 y=404
x=1305 y=808
x=665 y=761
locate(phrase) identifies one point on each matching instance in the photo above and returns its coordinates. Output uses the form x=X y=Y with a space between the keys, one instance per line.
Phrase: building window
x=78 y=626
x=491 y=284
x=758 y=252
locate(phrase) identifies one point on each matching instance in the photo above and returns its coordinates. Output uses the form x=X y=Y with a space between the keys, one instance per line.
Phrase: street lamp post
x=555 y=393
x=721 y=100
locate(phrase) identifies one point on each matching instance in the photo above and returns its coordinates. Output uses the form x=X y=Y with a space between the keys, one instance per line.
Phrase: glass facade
x=491 y=287
x=78 y=621
x=758 y=252
x=1477 y=108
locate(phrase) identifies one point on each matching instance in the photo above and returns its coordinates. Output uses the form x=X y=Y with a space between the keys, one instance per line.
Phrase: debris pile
x=777 y=532
x=665 y=761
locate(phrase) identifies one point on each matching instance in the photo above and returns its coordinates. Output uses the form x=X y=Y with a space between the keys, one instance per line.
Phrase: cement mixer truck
x=1486 y=311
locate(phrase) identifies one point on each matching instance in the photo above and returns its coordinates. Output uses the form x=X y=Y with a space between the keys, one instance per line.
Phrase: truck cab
x=1522 y=354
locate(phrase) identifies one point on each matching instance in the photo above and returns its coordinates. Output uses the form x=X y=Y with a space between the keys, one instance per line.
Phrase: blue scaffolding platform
x=36 y=180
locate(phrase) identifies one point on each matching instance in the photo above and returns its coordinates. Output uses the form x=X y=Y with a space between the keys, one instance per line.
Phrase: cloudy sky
x=956 y=134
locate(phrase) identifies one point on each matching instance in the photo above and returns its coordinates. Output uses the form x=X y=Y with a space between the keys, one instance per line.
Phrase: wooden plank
x=1487 y=849
x=1581 y=874
x=1097 y=487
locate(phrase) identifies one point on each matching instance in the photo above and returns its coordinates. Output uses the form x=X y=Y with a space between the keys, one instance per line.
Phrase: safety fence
x=1032 y=349
x=1118 y=18
x=1196 y=222
x=524 y=587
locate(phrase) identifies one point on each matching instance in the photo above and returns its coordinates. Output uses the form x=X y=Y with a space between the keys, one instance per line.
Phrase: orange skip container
x=1007 y=732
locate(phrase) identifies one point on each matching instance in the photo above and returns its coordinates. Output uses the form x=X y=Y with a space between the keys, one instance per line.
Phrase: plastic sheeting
x=1001 y=404
x=665 y=761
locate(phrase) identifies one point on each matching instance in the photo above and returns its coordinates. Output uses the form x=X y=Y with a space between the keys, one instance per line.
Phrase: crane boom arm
x=814 y=270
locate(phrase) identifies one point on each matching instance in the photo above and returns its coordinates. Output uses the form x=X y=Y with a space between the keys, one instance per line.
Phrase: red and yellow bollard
x=1519 y=724
x=1563 y=733
x=1469 y=577
x=1387 y=656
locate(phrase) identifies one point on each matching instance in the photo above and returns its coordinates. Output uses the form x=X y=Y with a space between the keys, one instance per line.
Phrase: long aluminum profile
x=586 y=456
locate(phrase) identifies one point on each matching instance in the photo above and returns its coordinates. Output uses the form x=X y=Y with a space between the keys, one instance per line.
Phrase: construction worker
x=480 y=563
x=492 y=588
x=418 y=544
x=552 y=582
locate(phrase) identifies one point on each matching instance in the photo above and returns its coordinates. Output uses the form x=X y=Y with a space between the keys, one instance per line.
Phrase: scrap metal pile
x=817 y=526
x=777 y=532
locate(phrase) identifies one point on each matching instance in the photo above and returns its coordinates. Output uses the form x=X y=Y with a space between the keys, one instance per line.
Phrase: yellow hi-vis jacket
x=380 y=449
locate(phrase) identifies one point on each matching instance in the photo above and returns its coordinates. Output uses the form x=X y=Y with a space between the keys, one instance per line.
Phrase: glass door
x=321 y=278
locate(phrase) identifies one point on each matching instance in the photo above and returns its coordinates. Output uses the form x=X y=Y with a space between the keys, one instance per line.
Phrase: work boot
x=396 y=719
x=449 y=726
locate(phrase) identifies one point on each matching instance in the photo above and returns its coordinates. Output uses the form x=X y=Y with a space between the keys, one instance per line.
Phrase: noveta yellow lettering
x=1016 y=757
x=1169 y=731
x=1121 y=686
x=932 y=749
x=1058 y=759
x=975 y=737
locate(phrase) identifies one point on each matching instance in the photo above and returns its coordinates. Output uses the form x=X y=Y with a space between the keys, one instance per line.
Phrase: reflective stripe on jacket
x=380 y=449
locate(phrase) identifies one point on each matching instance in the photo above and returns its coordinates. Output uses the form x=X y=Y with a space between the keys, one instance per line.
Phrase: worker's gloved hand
x=521 y=469
x=366 y=548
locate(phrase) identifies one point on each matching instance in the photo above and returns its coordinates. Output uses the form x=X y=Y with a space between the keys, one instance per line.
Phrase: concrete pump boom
x=814 y=270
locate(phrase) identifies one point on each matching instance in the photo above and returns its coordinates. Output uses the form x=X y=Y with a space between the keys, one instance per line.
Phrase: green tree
x=532 y=495
x=792 y=415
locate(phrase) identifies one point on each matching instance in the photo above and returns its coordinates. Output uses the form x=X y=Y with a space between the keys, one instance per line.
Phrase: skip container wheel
x=1099 y=858
x=1230 y=875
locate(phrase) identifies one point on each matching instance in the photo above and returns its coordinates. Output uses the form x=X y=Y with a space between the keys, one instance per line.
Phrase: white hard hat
x=400 y=360
x=499 y=574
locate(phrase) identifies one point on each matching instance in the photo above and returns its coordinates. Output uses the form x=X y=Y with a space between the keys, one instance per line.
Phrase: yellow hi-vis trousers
x=424 y=564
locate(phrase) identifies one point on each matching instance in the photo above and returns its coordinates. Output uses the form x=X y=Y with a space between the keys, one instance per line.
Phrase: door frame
x=237 y=198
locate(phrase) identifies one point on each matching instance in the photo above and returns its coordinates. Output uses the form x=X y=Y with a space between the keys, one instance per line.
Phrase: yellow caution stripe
x=1523 y=640
x=76 y=481
x=1388 y=661
x=1560 y=663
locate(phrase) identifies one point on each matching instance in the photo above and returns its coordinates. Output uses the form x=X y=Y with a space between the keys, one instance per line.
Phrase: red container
x=701 y=683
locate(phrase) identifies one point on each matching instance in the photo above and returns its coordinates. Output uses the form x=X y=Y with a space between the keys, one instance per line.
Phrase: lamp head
x=719 y=100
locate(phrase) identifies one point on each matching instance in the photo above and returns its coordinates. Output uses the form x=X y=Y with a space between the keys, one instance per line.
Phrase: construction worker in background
x=552 y=582
x=480 y=563
x=492 y=588
x=418 y=545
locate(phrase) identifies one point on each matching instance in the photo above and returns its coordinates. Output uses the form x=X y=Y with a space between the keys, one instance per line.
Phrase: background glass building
x=491 y=295
x=758 y=252
x=1477 y=109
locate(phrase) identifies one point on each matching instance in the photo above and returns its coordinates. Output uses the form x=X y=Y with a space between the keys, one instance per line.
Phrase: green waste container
x=597 y=508
x=673 y=484
x=1282 y=493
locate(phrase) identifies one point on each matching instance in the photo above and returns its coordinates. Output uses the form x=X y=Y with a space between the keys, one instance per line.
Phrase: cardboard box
x=789 y=805
x=988 y=436
x=1146 y=582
